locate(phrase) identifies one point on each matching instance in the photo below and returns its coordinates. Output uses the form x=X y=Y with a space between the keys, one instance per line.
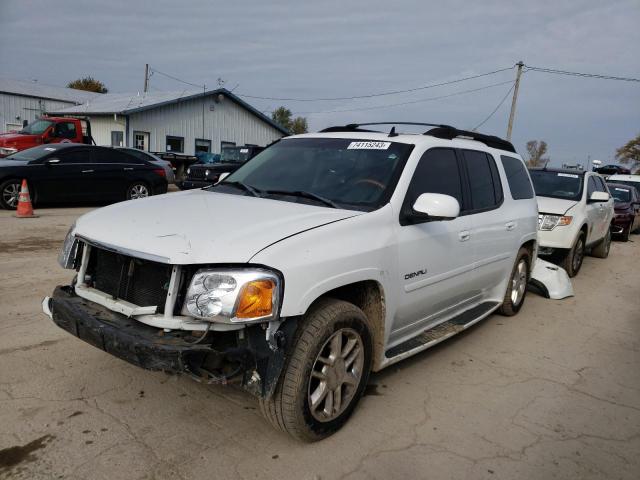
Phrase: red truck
x=46 y=130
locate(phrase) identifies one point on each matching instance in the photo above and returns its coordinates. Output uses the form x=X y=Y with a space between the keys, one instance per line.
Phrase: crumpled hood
x=554 y=206
x=197 y=226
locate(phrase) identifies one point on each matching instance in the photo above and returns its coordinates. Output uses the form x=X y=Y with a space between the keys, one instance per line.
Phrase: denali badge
x=409 y=276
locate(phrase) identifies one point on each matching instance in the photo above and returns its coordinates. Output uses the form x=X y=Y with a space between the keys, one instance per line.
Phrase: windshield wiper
x=301 y=193
x=247 y=188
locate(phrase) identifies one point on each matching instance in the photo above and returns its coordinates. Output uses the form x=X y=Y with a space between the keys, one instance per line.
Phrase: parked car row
x=323 y=258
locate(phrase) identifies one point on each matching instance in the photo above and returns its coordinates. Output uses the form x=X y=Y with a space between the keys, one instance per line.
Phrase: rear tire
x=9 y=192
x=325 y=375
x=572 y=261
x=517 y=285
x=138 y=190
x=603 y=248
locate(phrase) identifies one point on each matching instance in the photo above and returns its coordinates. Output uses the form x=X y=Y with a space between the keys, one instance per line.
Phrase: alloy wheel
x=519 y=283
x=578 y=255
x=138 y=191
x=336 y=375
x=10 y=194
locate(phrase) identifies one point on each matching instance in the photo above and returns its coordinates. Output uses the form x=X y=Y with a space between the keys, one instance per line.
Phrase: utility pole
x=514 y=99
x=146 y=77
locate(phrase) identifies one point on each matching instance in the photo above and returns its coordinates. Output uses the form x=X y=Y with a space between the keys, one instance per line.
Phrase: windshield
x=31 y=153
x=36 y=128
x=620 y=194
x=562 y=185
x=234 y=155
x=628 y=183
x=352 y=174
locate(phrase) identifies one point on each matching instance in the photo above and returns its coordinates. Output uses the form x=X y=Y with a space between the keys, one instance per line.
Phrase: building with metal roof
x=187 y=121
x=23 y=101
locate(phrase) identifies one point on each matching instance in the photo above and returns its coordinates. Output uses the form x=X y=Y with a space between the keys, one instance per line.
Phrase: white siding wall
x=226 y=122
x=26 y=108
x=103 y=125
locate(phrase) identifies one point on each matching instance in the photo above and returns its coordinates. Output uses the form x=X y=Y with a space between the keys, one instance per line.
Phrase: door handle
x=87 y=171
x=464 y=235
x=510 y=226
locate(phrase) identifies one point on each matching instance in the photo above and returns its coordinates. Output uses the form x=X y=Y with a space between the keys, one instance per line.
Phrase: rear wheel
x=325 y=375
x=603 y=248
x=572 y=261
x=9 y=192
x=517 y=285
x=138 y=190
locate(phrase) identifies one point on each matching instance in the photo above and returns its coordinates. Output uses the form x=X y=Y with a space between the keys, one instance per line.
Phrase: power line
x=381 y=94
x=495 y=109
x=580 y=74
x=388 y=105
x=153 y=70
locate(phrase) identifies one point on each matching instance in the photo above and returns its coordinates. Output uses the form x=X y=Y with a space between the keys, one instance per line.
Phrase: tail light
x=160 y=171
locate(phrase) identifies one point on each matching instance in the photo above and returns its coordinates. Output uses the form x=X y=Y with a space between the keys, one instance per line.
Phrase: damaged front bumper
x=243 y=357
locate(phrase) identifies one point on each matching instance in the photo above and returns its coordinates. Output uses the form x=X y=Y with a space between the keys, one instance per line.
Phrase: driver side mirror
x=433 y=206
x=599 y=197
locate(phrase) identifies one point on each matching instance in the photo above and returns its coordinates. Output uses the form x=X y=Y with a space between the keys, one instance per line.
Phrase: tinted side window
x=437 y=172
x=66 y=130
x=484 y=192
x=600 y=185
x=517 y=177
x=106 y=155
x=74 y=156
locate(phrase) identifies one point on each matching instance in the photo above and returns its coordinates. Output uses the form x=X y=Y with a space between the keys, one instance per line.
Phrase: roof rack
x=440 y=131
x=450 y=133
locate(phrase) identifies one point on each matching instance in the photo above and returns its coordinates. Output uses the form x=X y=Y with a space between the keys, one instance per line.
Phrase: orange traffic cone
x=25 y=209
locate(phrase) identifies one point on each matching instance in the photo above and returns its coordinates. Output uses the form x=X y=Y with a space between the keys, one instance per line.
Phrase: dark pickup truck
x=231 y=158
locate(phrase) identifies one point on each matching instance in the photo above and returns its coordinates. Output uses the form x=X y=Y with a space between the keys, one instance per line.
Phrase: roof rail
x=444 y=131
x=355 y=127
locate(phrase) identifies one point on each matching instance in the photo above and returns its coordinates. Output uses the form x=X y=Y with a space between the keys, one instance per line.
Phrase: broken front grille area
x=141 y=282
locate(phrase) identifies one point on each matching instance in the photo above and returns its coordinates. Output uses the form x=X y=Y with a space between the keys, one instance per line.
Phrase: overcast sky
x=349 y=48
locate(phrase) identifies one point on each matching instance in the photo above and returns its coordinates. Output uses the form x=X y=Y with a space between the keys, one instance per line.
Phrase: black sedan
x=68 y=172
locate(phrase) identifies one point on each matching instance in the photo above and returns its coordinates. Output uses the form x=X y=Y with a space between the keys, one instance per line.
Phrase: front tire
x=517 y=285
x=325 y=374
x=9 y=192
x=572 y=261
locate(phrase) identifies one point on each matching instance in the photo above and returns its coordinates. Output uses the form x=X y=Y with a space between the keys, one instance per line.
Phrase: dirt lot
x=551 y=393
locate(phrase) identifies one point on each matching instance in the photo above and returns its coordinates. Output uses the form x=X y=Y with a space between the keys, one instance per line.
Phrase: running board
x=440 y=332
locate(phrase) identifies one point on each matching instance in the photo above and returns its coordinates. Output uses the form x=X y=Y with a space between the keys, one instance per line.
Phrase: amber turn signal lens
x=256 y=299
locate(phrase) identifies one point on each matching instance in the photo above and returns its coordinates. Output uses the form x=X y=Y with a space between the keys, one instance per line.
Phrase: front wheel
x=325 y=375
x=138 y=190
x=9 y=192
x=572 y=261
x=517 y=285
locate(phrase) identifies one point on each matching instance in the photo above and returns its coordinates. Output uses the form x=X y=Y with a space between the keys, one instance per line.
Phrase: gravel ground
x=551 y=393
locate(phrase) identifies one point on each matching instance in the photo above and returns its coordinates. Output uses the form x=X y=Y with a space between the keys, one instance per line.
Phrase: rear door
x=494 y=228
x=111 y=172
x=606 y=208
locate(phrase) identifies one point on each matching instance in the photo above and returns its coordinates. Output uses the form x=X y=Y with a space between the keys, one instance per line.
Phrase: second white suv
x=576 y=210
x=325 y=257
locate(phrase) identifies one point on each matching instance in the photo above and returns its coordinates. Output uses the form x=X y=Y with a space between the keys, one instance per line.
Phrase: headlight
x=206 y=173
x=7 y=150
x=188 y=171
x=233 y=296
x=67 y=256
x=549 y=222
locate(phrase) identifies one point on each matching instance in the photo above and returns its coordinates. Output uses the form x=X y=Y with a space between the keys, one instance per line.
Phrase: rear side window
x=74 y=156
x=107 y=155
x=484 y=181
x=517 y=177
x=437 y=172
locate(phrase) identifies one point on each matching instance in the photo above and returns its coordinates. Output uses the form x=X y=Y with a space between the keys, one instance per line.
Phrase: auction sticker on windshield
x=368 y=145
x=570 y=175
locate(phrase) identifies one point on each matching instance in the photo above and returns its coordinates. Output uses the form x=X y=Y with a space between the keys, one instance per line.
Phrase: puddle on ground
x=12 y=456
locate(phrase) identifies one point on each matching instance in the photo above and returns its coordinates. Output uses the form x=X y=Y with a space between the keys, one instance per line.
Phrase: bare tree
x=536 y=150
x=630 y=153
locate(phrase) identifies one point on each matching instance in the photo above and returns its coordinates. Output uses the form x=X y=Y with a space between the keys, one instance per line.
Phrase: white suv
x=323 y=258
x=576 y=210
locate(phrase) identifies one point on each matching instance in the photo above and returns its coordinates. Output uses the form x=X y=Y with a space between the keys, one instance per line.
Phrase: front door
x=67 y=175
x=594 y=212
x=434 y=258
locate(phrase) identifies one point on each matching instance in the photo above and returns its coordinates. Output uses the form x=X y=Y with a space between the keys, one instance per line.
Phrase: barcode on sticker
x=570 y=175
x=368 y=145
x=244 y=150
